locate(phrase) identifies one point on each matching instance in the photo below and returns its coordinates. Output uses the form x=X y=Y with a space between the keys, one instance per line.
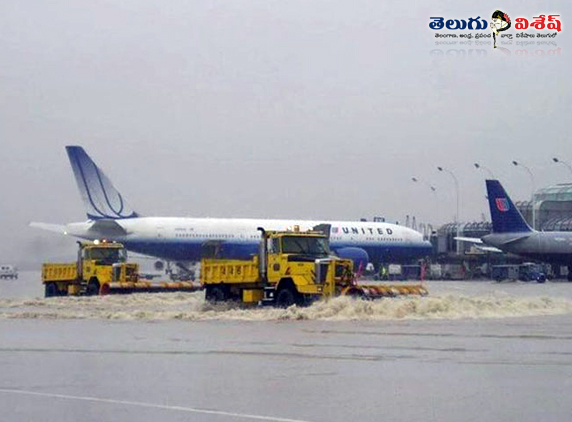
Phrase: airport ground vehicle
x=505 y=272
x=453 y=271
x=291 y=267
x=101 y=268
x=529 y=271
x=435 y=272
x=395 y=272
x=8 y=271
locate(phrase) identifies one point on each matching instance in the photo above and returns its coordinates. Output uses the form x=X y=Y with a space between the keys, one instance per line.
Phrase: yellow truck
x=291 y=267
x=101 y=268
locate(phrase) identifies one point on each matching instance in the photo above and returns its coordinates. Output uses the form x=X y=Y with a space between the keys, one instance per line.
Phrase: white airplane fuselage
x=181 y=239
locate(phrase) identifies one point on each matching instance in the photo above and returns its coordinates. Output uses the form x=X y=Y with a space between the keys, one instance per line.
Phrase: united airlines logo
x=361 y=230
x=502 y=204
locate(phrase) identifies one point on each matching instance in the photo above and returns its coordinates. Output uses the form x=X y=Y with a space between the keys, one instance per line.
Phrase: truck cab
x=101 y=261
x=302 y=266
x=98 y=265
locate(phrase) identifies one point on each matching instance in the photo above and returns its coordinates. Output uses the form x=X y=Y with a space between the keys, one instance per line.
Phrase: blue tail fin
x=505 y=216
x=100 y=198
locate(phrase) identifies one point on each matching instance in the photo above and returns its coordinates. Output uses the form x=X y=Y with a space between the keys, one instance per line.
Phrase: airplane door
x=160 y=232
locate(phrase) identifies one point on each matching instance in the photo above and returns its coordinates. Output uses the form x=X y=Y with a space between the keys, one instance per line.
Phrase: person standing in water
x=500 y=22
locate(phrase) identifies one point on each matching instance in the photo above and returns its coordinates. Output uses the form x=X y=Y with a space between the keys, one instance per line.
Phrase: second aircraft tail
x=505 y=216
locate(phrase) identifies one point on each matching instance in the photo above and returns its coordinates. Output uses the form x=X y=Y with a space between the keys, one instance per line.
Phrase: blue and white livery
x=181 y=239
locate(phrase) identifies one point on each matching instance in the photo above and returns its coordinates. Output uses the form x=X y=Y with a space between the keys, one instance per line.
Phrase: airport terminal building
x=552 y=206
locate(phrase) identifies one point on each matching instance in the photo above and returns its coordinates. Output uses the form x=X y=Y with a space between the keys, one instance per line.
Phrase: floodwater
x=470 y=351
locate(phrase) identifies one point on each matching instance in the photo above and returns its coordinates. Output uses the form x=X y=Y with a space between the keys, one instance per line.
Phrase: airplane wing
x=489 y=249
x=479 y=244
x=469 y=240
x=517 y=238
x=107 y=227
x=477 y=241
x=57 y=228
x=99 y=228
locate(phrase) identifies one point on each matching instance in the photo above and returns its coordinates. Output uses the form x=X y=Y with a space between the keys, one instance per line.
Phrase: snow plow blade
x=378 y=291
x=143 y=286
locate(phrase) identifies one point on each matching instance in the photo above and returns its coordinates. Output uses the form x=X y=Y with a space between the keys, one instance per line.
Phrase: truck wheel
x=92 y=288
x=216 y=294
x=356 y=293
x=285 y=297
x=51 y=290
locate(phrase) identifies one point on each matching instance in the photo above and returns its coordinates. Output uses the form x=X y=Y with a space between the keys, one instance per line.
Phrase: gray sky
x=257 y=108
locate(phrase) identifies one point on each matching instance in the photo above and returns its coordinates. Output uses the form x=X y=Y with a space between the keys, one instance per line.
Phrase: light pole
x=516 y=163
x=458 y=198
x=416 y=180
x=478 y=166
x=433 y=190
x=556 y=160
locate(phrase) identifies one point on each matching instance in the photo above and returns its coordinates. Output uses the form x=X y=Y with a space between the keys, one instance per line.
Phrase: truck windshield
x=108 y=255
x=305 y=245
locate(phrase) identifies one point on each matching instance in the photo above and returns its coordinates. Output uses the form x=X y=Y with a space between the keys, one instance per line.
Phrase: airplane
x=511 y=233
x=182 y=240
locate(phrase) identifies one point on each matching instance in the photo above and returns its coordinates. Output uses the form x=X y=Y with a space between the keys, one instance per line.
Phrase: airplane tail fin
x=100 y=198
x=505 y=216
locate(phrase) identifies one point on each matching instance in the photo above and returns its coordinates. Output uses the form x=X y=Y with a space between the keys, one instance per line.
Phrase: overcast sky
x=258 y=108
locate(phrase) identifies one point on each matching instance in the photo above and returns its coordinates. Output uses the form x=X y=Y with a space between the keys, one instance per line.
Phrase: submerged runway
x=472 y=351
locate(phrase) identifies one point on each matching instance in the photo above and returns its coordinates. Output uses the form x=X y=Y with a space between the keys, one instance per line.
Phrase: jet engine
x=358 y=255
